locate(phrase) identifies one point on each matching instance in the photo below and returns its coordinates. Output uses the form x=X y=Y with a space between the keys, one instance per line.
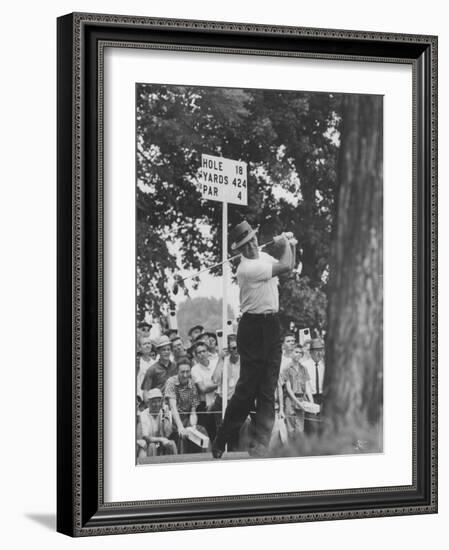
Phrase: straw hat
x=241 y=234
x=163 y=341
x=153 y=393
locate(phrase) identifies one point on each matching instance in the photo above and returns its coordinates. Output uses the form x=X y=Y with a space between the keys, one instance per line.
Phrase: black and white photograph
x=220 y=250
x=259 y=225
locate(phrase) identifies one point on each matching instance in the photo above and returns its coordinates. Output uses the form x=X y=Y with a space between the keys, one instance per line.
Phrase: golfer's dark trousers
x=259 y=346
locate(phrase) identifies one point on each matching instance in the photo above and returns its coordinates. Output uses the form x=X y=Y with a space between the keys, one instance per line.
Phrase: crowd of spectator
x=180 y=391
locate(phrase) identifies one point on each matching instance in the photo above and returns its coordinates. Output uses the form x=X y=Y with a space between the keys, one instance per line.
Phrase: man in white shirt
x=316 y=369
x=258 y=340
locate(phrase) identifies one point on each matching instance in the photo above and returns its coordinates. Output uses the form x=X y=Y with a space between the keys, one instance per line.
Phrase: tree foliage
x=290 y=141
x=303 y=303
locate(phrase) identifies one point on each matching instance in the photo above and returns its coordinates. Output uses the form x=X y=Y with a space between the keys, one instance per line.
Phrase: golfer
x=258 y=340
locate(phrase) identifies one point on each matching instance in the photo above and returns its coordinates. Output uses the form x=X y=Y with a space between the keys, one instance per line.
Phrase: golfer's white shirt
x=258 y=288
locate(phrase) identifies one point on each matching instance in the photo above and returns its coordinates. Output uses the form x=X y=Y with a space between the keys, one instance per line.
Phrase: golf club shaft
x=232 y=258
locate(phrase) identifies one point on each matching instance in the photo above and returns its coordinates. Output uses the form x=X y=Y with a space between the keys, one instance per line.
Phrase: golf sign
x=223 y=180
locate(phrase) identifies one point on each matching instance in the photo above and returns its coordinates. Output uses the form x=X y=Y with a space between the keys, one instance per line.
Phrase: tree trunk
x=353 y=380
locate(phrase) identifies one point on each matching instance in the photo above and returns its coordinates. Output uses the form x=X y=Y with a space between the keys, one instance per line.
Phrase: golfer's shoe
x=217 y=450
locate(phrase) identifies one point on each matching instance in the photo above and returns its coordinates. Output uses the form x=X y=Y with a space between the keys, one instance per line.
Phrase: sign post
x=224 y=180
x=224 y=310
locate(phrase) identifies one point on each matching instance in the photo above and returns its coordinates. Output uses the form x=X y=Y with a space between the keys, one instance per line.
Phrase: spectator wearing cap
x=202 y=372
x=183 y=399
x=160 y=371
x=145 y=359
x=154 y=427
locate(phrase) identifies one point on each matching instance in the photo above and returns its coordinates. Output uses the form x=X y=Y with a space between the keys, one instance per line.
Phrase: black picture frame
x=81 y=510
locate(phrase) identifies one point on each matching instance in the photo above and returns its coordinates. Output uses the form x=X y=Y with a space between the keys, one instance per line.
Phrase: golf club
x=179 y=279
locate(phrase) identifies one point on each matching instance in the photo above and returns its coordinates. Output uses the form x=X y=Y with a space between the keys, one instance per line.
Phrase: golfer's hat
x=241 y=234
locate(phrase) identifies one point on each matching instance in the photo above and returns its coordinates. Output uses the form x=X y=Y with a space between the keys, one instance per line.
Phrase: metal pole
x=225 y=277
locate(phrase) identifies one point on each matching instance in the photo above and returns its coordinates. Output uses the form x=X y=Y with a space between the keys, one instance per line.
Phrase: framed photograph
x=246 y=274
